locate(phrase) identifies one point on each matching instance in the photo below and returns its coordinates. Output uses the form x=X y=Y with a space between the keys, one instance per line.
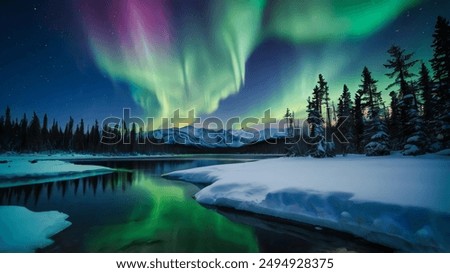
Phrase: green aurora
x=196 y=60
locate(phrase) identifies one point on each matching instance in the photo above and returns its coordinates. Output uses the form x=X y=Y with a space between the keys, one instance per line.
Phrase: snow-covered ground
x=20 y=170
x=402 y=202
x=22 y=230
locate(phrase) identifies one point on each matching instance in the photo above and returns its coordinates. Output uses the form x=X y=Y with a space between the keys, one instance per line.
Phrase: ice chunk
x=22 y=230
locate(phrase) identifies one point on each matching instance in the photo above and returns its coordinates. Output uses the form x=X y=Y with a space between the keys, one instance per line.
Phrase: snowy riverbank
x=401 y=202
x=22 y=230
x=21 y=170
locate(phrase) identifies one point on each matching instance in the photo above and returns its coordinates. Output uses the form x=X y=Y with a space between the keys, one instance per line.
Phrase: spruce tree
x=325 y=96
x=400 y=64
x=315 y=121
x=34 y=133
x=333 y=108
x=441 y=67
x=94 y=138
x=413 y=140
x=15 y=142
x=394 y=123
x=7 y=136
x=133 y=138
x=8 y=122
x=45 y=134
x=345 y=119
x=441 y=56
x=79 y=141
x=425 y=85
x=415 y=143
x=429 y=106
x=23 y=145
x=320 y=147
x=358 y=119
x=376 y=137
x=68 y=135
x=96 y=135
x=55 y=137
x=141 y=140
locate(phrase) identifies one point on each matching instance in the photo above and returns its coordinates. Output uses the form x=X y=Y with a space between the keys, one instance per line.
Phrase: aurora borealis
x=190 y=65
x=221 y=58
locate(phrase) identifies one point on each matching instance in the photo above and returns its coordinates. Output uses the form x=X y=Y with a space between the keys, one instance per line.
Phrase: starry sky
x=90 y=59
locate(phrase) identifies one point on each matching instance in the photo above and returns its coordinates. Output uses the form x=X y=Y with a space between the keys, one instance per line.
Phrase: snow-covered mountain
x=202 y=137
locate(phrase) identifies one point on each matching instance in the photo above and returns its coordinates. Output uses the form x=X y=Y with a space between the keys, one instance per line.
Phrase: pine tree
x=441 y=56
x=8 y=123
x=6 y=137
x=358 y=119
x=105 y=138
x=133 y=138
x=55 y=136
x=117 y=138
x=345 y=119
x=34 y=133
x=94 y=138
x=78 y=138
x=141 y=140
x=425 y=85
x=124 y=145
x=414 y=141
x=23 y=145
x=441 y=67
x=429 y=108
x=68 y=135
x=15 y=142
x=376 y=138
x=45 y=134
x=333 y=108
x=324 y=97
x=315 y=121
x=320 y=148
x=400 y=63
x=394 y=122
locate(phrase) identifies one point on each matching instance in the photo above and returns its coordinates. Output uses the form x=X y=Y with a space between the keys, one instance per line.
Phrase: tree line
x=34 y=136
x=416 y=121
x=31 y=136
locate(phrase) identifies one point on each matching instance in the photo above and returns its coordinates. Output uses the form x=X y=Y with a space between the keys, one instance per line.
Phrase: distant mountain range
x=209 y=138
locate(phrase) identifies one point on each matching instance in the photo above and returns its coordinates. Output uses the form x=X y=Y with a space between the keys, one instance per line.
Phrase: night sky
x=89 y=59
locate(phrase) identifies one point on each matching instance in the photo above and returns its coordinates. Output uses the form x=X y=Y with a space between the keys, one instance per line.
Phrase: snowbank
x=22 y=230
x=396 y=201
x=18 y=171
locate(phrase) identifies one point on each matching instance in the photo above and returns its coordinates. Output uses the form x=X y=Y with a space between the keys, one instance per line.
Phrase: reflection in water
x=171 y=223
x=32 y=194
